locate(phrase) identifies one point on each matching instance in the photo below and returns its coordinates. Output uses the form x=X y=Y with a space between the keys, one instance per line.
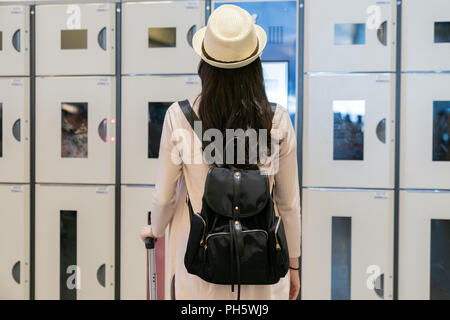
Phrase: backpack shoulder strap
x=273 y=105
x=191 y=117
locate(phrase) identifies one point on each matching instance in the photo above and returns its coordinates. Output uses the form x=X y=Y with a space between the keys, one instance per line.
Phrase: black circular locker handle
x=16 y=272
x=382 y=33
x=379 y=286
x=101 y=38
x=16 y=40
x=381 y=130
x=16 y=130
x=190 y=34
x=101 y=275
x=102 y=129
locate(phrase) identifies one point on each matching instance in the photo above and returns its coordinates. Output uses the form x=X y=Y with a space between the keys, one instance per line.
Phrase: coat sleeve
x=287 y=192
x=169 y=170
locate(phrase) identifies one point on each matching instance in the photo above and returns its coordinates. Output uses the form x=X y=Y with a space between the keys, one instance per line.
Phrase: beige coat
x=169 y=206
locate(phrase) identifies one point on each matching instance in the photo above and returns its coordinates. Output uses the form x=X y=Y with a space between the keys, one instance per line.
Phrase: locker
x=75 y=129
x=14 y=130
x=144 y=103
x=426 y=35
x=350 y=35
x=75 y=39
x=74 y=242
x=280 y=21
x=424 y=245
x=14 y=242
x=349 y=130
x=157 y=36
x=136 y=204
x=14 y=40
x=347 y=246
x=425 y=131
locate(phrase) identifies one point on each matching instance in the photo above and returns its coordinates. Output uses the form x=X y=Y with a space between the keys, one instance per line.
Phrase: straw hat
x=231 y=39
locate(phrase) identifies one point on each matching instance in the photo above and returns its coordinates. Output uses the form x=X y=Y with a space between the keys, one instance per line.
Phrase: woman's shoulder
x=281 y=117
x=175 y=114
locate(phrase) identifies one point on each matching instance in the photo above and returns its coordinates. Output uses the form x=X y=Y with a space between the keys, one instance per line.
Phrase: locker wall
x=416 y=71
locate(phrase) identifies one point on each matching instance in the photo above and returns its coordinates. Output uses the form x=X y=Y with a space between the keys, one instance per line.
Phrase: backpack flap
x=252 y=195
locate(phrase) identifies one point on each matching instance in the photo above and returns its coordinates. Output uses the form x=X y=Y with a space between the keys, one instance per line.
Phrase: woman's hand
x=294 y=276
x=294 y=287
x=146 y=232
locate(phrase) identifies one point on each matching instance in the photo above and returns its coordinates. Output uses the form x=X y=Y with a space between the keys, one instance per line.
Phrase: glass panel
x=442 y=32
x=1 y=129
x=341 y=248
x=276 y=79
x=441 y=131
x=74 y=130
x=349 y=33
x=156 y=114
x=74 y=39
x=162 y=37
x=348 y=133
x=68 y=255
x=1 y=40
x=440 y=260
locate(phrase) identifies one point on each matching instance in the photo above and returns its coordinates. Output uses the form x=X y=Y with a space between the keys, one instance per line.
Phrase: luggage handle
x=151 y=266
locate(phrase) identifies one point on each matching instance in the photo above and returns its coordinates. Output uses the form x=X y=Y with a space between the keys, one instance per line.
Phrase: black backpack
x=237 y=238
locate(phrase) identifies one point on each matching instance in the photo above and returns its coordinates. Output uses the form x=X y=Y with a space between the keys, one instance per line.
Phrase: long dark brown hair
x=235 y=99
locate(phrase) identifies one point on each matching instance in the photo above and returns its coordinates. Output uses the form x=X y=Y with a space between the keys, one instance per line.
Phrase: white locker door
x=349 y=130
x=75 y=39
x=14 y=130
x=350 y=35
x=144 y=103
x=136 y=205
x=74 y=242
x=75 y=130
x=14 y=242
x=157 y=36
x=426 y=35
x=14 y=40
x=347 y=246
x=424 y=245
x=425 y=136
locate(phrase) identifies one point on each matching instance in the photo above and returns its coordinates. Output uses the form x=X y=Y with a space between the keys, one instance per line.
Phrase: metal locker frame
x=321 y=54
x=319 y=206
x=137 y=92
x=94 y=206
x=15 y=242
x=15 y=54
x=99 y=56
x=319 y=168
x=99 y=93
x=417 y=208
x=15 y=100
x=418 y=170
x=133 y=269
x=138 y=58
x=419 y=50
